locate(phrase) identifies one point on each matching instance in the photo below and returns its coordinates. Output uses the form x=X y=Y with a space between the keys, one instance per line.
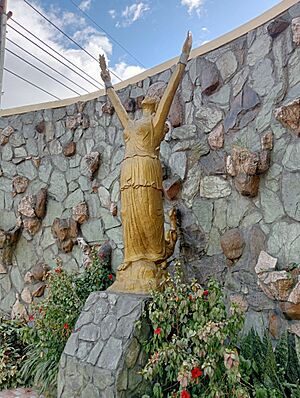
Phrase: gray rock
x=111 y=354
x=291 y=195
x=271 y=205
x=58 y=187
x=184 y=132
x=72 y=345
x=178 y=163
x=227 y=65
x=108 y=326
x=259 y=49
x=27 y=169
x=262 y=77
x=89 y=332
x=214 y=187
x=92 y=231
x=74 y=198
x=291 y=160
x=208 y=118
x=203 y=210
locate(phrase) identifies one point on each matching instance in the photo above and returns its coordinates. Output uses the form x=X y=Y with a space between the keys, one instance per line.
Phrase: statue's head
x=150 y=104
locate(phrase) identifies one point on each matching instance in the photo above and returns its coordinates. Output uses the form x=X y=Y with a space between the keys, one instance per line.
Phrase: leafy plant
x=52 y=320
x=193 y=348
x=12 y=353
x=270 y=373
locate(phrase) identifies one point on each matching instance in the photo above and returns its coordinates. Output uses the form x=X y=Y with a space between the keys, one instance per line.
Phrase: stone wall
x=231 y=161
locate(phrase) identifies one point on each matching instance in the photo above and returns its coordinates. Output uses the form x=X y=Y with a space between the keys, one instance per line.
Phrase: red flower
x=110 y=276
x=196 y=372
x=31 y=318
x=66 y=326
x=157 y=331
x=184 y=394
x=57 y=270
x=205 y=293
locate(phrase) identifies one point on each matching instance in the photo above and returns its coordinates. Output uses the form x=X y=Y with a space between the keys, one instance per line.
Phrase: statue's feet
x=138 y=277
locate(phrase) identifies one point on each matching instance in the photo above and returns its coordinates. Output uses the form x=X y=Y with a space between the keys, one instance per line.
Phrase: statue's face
x=296 y=30
x=149 y=104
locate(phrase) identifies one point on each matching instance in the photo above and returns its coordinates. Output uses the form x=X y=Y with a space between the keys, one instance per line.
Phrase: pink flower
x=31 y=318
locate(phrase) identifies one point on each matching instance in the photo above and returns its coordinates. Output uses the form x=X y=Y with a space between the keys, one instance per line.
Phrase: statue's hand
x=105 y=75
x=187 y=45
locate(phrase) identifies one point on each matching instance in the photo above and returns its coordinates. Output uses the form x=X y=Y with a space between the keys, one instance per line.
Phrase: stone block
x=232 y=243
x=265 y=263
x=172 y=187
x=277 y=26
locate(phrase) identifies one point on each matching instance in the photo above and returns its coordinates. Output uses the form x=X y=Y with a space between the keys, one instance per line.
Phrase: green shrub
x=271 y=373
x=52 y=320
x=12 y=354
x=193 y=348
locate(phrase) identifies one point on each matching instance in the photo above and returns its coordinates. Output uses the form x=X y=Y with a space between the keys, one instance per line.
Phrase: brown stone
x=8 y=241
x=209 y=77
x=263 y=162
x=18 y=309
x=28 y=278
x=70 y=149
x=244 y=160
x=172 y=187
x=290 y=310
x=20 y=184
x=267 y=141
x=108 y=108
x=276 y=284
x=296 y=30
x=294 y=328
x=139 y=101
x=277 y=26
x=26 y=295
x=65 y=231
x=240 y=301
x=32 y=225
x=38 y=289
x=72 y=122
x=247 y=185
x=41 y=201
x=40 y=127
x=80 y=106
x=113 y=209
x=294 y=296
x=92 y=161
x=80 y=212
x=130 y=105
x=26 y=206
x=36 y=161
x=84 y=122
x=216 y=137
x=274 y=325
x=230 y=167
x=289 y=115
x=5 y=134
x=39 y=271
x=232 y=243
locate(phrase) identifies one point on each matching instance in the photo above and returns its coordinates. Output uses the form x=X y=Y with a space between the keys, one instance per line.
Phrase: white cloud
x=126 y=71
x=17 y=92
x=112 y=13
x=132 y=13
x=193 y=5
x=204 y=29
x=85 y=5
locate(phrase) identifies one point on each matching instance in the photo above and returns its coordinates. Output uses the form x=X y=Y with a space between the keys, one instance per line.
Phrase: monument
x=146 y=248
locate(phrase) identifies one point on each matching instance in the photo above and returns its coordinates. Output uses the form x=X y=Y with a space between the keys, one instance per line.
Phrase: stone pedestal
x=103 y=356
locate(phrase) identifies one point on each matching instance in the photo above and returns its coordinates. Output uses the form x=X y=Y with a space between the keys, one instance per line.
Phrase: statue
x=146 y=248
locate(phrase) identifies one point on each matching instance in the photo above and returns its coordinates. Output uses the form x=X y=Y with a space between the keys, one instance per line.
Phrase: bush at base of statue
x=52 y=320
x=193 y=350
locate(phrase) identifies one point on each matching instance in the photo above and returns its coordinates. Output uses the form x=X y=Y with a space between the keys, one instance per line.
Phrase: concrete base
x=103 y=356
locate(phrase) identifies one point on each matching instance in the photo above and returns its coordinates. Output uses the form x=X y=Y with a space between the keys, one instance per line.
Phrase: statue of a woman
x=145 y=246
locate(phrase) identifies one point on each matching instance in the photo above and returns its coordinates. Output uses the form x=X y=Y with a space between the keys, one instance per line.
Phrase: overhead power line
x=53 y=56
x=40 y=70
x=107 y=34
x=66 y=35
x=44 y=63
x=34 y=85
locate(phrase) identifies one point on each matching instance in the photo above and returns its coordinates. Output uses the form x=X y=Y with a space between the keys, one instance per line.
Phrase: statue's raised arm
x=167 y=98
x=115 y=100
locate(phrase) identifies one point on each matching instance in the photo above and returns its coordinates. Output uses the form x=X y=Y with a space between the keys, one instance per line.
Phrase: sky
x=136 y=35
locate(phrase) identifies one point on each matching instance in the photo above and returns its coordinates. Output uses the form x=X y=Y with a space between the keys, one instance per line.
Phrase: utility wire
x=107 y=34
x=40 y=70
x=27 y=81
x=65 y=34
x=56 y=52
x=44 y=63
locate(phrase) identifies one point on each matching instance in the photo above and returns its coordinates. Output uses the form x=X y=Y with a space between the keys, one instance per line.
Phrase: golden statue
x=146 y=248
